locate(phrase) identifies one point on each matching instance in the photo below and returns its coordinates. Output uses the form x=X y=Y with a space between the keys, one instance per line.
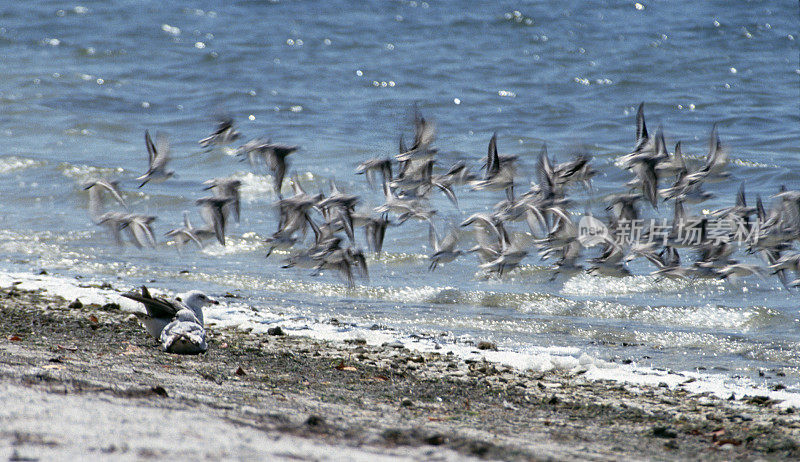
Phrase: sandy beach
x=85 y=381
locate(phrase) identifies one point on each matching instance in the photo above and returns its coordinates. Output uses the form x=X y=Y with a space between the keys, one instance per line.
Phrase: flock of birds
x=409 y=178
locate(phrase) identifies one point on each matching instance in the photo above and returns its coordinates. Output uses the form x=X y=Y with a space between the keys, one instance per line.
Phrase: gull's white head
x=186 y=315
x=198 y=299
x=195 y=301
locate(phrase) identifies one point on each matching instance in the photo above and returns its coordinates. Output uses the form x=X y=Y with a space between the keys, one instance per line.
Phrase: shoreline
x=236 y=313
x=322 y=399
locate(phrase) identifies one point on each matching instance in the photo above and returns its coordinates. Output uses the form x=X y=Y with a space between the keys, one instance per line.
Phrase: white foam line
x=87 y=290
x=10 y=164
x=694 y=382
x=570 y=359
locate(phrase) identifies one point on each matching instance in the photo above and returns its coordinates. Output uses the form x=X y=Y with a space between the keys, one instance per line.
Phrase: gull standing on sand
x=161 y=311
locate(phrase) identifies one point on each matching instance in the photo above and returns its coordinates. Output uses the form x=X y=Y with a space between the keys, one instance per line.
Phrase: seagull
x=644 y=143
x=576 y=170
x=739 y=213
x=737 y=270
x=511 y=254
x=673 y=165
x=642 y=137
x=158 y=156
x=459 y=174
x=292 y=220
x=400 y=205
x=343 y=260
x=414 y=175
x=716 y=159
x=184 y=335
x=337 y=207
x=161 y=311
x=494 y=161
x=610 y=263
x=787 y=262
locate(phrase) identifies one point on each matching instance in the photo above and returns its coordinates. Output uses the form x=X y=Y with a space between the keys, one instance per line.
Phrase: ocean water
x=81 y=82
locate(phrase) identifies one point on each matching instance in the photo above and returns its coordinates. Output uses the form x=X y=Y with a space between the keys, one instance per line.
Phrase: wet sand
x=85 y=381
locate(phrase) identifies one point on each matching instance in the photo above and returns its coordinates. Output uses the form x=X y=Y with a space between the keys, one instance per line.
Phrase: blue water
x=79 y=84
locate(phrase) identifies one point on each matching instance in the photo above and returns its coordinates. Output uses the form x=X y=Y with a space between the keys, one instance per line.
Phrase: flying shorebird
x=158 y=156
x=272 y=154
x=424 y=134
x=224 y=134
x=228 y=188
x=95 y=188
x=371 y=166
x=214 y=211
x=140 y=230
x=188 y=233
x=444 y=250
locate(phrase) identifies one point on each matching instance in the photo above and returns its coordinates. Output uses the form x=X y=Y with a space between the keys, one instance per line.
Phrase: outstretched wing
x=156 y=307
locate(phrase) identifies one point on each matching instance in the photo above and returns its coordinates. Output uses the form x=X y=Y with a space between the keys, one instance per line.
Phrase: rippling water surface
x=80 y=82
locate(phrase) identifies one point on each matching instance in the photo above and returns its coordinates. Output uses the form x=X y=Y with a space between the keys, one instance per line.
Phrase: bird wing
x=156 y=307
x=151 y=148
x=161 y=152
